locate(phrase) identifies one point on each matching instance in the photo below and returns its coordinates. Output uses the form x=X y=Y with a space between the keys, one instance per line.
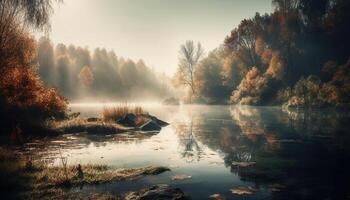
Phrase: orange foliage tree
x=23 y=91
x=23 y=98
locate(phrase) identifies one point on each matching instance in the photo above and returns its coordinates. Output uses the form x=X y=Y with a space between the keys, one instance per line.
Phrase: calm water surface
x=298 y=155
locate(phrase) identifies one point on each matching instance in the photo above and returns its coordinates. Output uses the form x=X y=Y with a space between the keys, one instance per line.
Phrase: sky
x=152 y=30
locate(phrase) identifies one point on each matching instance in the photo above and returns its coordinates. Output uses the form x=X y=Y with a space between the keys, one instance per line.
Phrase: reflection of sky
x=161 y=149
x=202 y=141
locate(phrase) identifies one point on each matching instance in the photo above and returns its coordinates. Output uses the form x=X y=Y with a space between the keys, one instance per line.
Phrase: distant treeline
x=298 y=55
x=76 y=73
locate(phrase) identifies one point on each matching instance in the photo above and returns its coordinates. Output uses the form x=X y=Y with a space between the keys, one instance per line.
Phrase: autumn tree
x=189 y=56
x=112 y=76
x=285 y=6
x=86 y=77
x=243 y=39
x=209 y=80
x=16 y=15
x=23 y=98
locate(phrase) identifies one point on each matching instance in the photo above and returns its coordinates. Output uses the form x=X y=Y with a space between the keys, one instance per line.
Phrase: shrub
x=311 y=92
x=25 y=97
x=251 y=88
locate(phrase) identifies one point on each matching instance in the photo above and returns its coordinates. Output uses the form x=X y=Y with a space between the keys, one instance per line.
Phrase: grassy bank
x=24 y=179
x=78 y=125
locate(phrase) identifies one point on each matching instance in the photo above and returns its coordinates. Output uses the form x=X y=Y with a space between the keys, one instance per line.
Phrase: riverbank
x=21 y=178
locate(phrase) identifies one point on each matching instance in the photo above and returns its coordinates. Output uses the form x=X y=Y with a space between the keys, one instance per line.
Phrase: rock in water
x=159 y=192
x=150 y=126
x=128 y=120
x=159 y=122
x=155 y=119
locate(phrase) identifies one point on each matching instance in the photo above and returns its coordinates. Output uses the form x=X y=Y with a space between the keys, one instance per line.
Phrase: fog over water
x=291 y=149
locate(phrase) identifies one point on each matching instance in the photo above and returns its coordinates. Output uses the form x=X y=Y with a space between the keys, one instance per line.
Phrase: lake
x=294 y=155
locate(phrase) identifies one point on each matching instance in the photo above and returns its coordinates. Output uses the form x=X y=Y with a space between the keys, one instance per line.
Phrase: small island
x=114 y=120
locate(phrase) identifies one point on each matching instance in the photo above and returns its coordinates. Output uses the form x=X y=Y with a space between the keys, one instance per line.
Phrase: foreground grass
x=21 y=179
x=92 y=174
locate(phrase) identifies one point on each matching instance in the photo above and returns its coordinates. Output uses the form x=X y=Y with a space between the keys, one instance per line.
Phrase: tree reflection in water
x=306 y=152
x=190 y=149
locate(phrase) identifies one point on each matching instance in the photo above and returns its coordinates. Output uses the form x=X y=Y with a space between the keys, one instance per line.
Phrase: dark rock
x=150 y=125
x=156 y=120
x=128 y=120
x=157 y=192
x=159 y=122
x=148 y=122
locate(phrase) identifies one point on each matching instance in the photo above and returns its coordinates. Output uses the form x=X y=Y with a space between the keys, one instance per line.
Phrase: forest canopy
x=266 y=59
x=79 y=73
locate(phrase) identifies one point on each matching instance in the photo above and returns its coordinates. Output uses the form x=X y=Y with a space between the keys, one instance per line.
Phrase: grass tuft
x=115 y=113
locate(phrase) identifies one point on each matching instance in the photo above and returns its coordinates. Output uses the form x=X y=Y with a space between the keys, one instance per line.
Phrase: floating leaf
x=180 y=177
x=243 y=190
x=217 y=197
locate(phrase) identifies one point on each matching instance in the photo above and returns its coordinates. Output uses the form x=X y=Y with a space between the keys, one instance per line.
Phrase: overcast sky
x=151 y=30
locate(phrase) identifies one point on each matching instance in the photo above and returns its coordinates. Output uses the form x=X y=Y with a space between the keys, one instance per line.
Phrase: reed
x=115 y=113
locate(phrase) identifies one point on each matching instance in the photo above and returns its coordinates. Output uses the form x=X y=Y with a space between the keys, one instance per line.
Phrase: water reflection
x=190 y=148
x=296 y=155
x=306 y=151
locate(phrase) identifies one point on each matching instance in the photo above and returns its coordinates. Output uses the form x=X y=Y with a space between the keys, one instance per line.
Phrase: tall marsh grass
x=115 y=113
